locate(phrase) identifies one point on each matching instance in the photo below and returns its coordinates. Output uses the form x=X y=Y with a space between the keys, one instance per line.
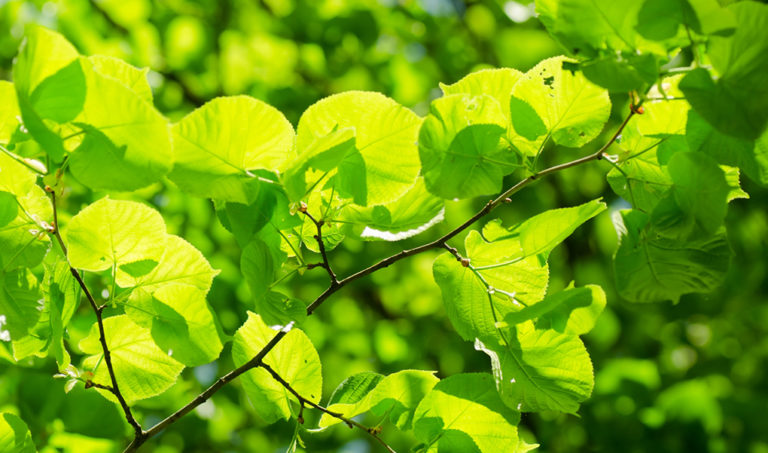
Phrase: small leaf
x=294 y=359
x=142 y=369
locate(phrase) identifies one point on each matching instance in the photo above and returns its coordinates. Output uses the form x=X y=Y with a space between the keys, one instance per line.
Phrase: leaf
x=133 y=78
x=385 y=163
x=259 y=263
x=142 y=369
x=524 y=120
x=20 y=303
x=496 y=83
x=8 y=208
x=572 y=311
x=49 y=85
x=751 y=156
x=126 y=145
x=23 y=238
x=396 y=395
x=650 y=268
x=413 y=213
x=219 y=145
x=498 y=282
x=462 y=147
x=294 y=359
x=324 y=154
x=138 y=268
x=463 y=413
x=278 y=309
x=14 y=435
x=543 y=232
x=110 y=232
x=696 y=204
x=9 y=111
x=572 y=109
x=180 y=263
x=180 y=320
x=737 y=102
x=540 y=370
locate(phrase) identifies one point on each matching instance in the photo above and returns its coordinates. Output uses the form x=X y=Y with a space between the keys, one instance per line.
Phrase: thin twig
x=256 y=360
x=373 y=432
x=115 y=389
x=321 y=245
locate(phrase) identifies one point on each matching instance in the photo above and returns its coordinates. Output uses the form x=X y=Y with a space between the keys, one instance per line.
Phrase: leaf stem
x=373 y=432
x=321 y=245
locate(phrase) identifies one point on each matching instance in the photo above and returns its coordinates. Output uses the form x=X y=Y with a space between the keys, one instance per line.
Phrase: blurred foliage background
x=690 y=377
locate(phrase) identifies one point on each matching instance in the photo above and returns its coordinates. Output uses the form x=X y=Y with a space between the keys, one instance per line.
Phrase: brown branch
x=114 y=389
x=373 y=432
x=321 y=245
x=441 y=242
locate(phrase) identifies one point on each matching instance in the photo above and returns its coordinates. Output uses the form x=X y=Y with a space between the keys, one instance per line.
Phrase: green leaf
x=138 y=268
x=524 y=120
x=131 y=77
x=572 y=109
x=543 y=232
x=49 y=84
x=219 y=145
x=142 y=369
x=496 y=83
x=8 y=208
x=463 y=413
x=650 y=268
x=462 y=147
x=20 y=303
x=324 y=154
x=14 y=435
x=572 y=311
x=413 y=213
x=750 y=156
x=126 y=145
x=385 y=163
x=294 y=359
x=180 y=263
x=109 y=233
x=23 y=238
x=278 y=309
x=180 y=320
x=396 y=395
x=9 y=111
x=497 y=282
x=696 y=204
x=737 y=102
x=260 y=263
x=540 y=370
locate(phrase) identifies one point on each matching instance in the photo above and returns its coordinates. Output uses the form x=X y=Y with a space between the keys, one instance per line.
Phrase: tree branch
x=319 y=238
x=334 y=287
x=115 y=389
x=373 y=432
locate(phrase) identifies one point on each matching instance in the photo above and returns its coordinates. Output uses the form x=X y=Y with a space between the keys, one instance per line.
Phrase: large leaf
x=737 y=102
x=650 y=268
x=496 y=283
x=50 y=84
x=20 y=303
x=496 y=83
x=181 y=321
x=572 y=109
x=540 y=370
x=396 y=395
x=110 y=233
x=141 y=368
x=127 y=143
x=218 y=146
x=133 y=78
x=9 y=111
x=180 y=263
x=294 y=359
x=463 y=413
x=385 y=163
x=462 y=147
x=14 y=435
